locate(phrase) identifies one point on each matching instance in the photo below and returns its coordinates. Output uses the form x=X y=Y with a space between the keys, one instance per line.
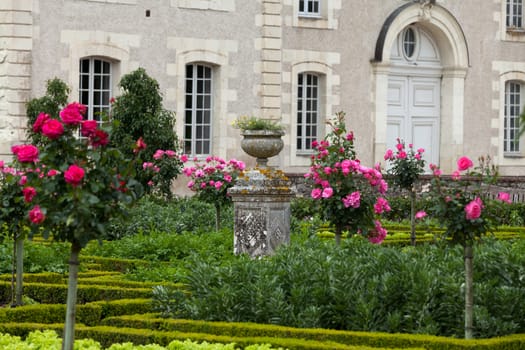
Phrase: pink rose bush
x=463 y=204
x=210 y=180
x=405 y=165
x=165 y=165
x=92 y=176
x=350 y=195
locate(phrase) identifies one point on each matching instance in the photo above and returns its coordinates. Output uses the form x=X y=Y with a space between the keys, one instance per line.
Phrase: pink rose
x=456 y=175
x=420 y=214
x=381 y=205
x=402 y=155
x=72 y=113
x=378 y=234
x=218 y=185
x=400 y=146
x=40 y=120
x=184 y=158
x=316 y=193
x=53 y=129
x=327 y=192
x=389 y=154
x=170 y=153
x=25 y=153
x=52 y=173
x=88 y=127
x=99 y=138
x=504 y=197
x=158 y=154
x=36 y=216
x=464 y=163
x=74 y=175
x=352 y=200
x=29 y=193
x=473 y=209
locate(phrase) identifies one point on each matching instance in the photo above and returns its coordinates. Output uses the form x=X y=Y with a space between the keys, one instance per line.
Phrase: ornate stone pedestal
x=261 y=199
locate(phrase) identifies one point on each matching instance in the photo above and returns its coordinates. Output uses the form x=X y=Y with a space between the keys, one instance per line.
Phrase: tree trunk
x=469 y=290
x=69 y=325
x=413 y=217
x=338 y=234
x=19 y=268
x=217 y=217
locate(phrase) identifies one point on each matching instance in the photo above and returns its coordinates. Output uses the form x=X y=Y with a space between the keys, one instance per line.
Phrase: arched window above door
x=414 y=44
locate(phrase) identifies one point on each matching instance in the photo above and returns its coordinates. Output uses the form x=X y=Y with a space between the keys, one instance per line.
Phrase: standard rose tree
x=462 y=207
x=75 y=185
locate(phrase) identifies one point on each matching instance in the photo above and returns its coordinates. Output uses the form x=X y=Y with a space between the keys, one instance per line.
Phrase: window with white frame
x=308 y=107
x=198 y=109
x=513 y=106
x=310 y=8
x=514 y=14
x=95 y=87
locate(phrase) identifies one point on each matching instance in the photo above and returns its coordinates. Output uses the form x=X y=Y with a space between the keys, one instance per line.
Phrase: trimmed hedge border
x=371 y=339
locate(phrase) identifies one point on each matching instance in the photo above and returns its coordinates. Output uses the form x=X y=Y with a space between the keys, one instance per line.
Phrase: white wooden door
x=413 y=114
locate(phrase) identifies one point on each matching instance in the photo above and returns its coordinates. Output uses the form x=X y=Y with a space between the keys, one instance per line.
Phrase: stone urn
x=262 y=144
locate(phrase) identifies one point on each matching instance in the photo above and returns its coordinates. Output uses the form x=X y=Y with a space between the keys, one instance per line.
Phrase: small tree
x=13 y=211
x=80 y=184
x=349 y=194
x=462 y=207
x=406 y=167
x=210 y=180
x=138 y=112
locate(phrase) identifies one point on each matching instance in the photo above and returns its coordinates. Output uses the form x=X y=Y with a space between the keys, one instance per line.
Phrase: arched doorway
x=419 y=70
x=414 y=90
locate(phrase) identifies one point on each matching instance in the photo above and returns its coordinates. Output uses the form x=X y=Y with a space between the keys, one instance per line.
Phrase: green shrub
x=358 y=287
x=185 y=214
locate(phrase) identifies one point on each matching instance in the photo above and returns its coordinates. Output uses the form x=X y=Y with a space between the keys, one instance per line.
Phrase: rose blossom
x=53 y=129
x=99 y=138
x=72 y=113
x=473 y=209
x=504 y=197
x=158 y=154
x=378 y=234
x=352 y=200
x=316 y=193
x=464 y=163
x=327 y=192
x=420 y=214
x=74 y=175
x=36 y=216
x=88 y=127
x=29 y=193
x=40 y=120
x=381 y=205
x=25 y=153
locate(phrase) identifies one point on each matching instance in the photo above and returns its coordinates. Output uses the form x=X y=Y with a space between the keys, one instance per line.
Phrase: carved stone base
x=261 y=199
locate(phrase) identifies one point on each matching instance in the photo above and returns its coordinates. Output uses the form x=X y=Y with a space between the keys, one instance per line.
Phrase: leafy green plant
x=357 y=287
x=139 y=114
x=255 y=123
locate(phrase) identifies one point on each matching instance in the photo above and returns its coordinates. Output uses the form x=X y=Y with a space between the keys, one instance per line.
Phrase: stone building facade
x=446 y=75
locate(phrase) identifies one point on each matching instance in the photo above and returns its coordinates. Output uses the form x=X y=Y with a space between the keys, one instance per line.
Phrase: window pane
x=98 y=68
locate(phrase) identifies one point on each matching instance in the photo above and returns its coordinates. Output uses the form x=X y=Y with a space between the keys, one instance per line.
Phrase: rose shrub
x=211 y=179
x=78 y=185
x=349 y=194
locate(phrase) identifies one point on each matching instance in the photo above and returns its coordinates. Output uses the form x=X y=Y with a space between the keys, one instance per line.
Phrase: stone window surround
x=118 y=55
x=326 y=20
x=508 y=159
x=327 y=83
x=221 y=72
x=510 y=34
